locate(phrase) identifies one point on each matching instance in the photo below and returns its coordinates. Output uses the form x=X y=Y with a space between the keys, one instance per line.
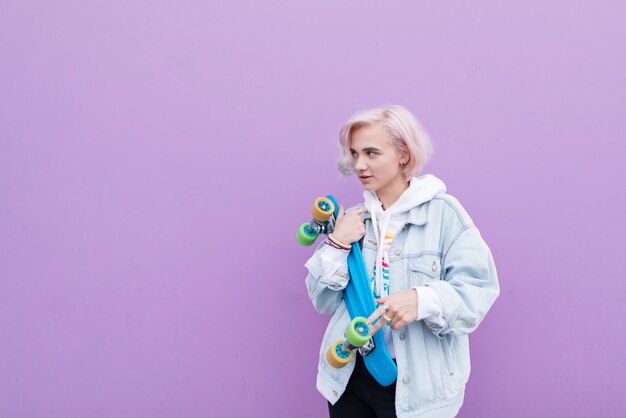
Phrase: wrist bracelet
x=339 y=243
x=332 y=244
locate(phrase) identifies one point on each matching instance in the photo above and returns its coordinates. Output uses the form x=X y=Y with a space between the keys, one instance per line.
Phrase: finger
x=378 y=325
x=397 y=322
x=376 y=314
x=341 y=212
x=358 y=210
x=382 y=302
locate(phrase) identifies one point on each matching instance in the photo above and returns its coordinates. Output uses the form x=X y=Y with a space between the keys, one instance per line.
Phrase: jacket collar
x=418 y=215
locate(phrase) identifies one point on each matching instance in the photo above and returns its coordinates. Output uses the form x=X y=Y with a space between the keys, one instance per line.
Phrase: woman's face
x=375 y=160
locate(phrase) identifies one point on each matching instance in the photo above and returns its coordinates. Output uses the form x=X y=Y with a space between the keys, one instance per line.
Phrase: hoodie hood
x=421 y=189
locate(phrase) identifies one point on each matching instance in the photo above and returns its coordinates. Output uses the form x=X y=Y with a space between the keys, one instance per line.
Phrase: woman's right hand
x=350 y=227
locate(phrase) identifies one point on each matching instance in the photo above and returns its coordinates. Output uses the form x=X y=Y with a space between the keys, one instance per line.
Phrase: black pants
x=365 y=397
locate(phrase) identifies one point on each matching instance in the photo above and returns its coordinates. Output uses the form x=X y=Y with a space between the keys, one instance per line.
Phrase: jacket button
x=406 y=380
x=335 y=393
x=402 y=336
x=434 y=266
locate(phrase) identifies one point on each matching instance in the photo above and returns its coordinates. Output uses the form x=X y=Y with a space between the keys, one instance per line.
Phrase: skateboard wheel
x=357 y=333
x=305 y=235
x=322 y=209
x=336 y=356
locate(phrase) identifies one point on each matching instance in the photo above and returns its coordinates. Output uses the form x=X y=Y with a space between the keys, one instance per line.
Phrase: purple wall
x=156 y=159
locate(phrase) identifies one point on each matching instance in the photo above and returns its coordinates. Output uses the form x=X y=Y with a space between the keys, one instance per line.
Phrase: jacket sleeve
x=328 y=276
x=470 y=285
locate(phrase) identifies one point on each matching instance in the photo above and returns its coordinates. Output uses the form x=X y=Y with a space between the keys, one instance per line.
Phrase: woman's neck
x=390 y=194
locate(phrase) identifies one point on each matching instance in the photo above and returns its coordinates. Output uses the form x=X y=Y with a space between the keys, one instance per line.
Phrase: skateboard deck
x=360 y=302
x=357 y=297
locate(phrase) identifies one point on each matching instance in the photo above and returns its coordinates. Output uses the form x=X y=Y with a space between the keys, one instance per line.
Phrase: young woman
x=432 y=275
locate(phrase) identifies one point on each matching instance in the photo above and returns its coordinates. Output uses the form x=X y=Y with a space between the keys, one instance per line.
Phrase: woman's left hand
x=400 y=308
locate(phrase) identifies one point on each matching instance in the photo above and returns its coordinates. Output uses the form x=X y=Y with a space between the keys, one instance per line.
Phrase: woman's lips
x=365 y=179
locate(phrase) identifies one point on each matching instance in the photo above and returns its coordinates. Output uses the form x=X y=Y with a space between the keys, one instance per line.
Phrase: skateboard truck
x=323 y=222
x=357 y=336
x=367 y=347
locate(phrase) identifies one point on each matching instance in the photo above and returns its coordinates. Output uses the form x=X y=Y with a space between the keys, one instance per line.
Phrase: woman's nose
x=359 y=164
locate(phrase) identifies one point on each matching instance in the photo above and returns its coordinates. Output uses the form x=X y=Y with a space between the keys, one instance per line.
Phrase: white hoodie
x=421 y=189
x=386 y=223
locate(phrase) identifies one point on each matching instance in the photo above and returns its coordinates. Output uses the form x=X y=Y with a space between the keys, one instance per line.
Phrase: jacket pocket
x=424 y=269
x=447 y=356
x=455 y=371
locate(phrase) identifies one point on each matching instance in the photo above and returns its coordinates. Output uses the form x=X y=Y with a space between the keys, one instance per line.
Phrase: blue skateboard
x=358 y=299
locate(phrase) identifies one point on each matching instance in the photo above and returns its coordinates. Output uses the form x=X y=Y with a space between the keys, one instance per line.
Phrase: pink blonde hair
x=405 y=131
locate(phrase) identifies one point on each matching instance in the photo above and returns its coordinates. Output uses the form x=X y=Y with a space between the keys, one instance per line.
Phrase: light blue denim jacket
x=440 y=247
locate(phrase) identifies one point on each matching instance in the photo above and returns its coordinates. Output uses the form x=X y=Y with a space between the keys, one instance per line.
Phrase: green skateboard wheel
x=357 y=333
x=305 y=235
